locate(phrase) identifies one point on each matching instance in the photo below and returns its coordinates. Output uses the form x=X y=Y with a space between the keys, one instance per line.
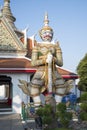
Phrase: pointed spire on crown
x=46 y=21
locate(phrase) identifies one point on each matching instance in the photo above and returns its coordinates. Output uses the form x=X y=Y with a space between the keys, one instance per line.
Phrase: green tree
x=82 y=72
x=83 y=113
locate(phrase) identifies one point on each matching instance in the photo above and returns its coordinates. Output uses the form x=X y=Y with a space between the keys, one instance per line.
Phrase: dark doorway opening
x=5 y=93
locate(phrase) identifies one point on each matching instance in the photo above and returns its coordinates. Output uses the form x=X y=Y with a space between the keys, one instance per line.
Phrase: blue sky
x=68 y=18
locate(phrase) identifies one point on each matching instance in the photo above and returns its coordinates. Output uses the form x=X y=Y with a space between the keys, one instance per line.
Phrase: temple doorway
x=5 y=94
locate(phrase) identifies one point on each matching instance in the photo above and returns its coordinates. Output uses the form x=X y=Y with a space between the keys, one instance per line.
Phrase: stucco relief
x=6 y=40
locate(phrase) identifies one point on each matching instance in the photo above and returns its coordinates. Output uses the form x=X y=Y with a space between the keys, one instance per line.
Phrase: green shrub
x=68 y=115
x=47 y=110
x=83 y=116
x=47 y=119
x=61 y=107
x=84 y=107
x=46 y=114
x=84 y=96
x=39 y=111
x=62 y=115
x=64 y=122
x=65 y=118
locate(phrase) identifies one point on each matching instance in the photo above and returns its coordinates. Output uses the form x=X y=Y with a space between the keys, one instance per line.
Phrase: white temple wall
x=17 y=95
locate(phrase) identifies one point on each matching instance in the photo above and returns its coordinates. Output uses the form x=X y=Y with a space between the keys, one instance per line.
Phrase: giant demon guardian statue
x=46 y=56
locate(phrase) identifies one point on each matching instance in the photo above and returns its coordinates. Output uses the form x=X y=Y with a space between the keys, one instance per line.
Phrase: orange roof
x=67 y=74
x=15 y=63
x=23 y=65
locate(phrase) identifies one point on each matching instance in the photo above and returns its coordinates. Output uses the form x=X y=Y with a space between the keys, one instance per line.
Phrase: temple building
x=15 y=62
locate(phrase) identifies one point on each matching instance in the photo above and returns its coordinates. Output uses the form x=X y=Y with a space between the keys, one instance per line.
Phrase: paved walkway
x=14 y=122
x=11 y=122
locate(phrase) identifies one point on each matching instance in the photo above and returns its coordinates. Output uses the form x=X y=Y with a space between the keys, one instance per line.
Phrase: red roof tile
x=23 y=65
x=15 y=63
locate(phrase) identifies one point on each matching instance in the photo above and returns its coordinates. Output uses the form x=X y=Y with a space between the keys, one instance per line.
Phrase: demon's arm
x=58 y=55
x=35 y=58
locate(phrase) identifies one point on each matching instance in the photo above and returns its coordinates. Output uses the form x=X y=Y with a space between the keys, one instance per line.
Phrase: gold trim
x=34 y=95
x=35 y=86
x=62 y=86
x=59 y=94
x=37 y=103
x=46 y=28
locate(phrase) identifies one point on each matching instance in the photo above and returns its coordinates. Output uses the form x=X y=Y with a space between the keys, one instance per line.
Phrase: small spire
x=46 y=21
x=8 y=14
